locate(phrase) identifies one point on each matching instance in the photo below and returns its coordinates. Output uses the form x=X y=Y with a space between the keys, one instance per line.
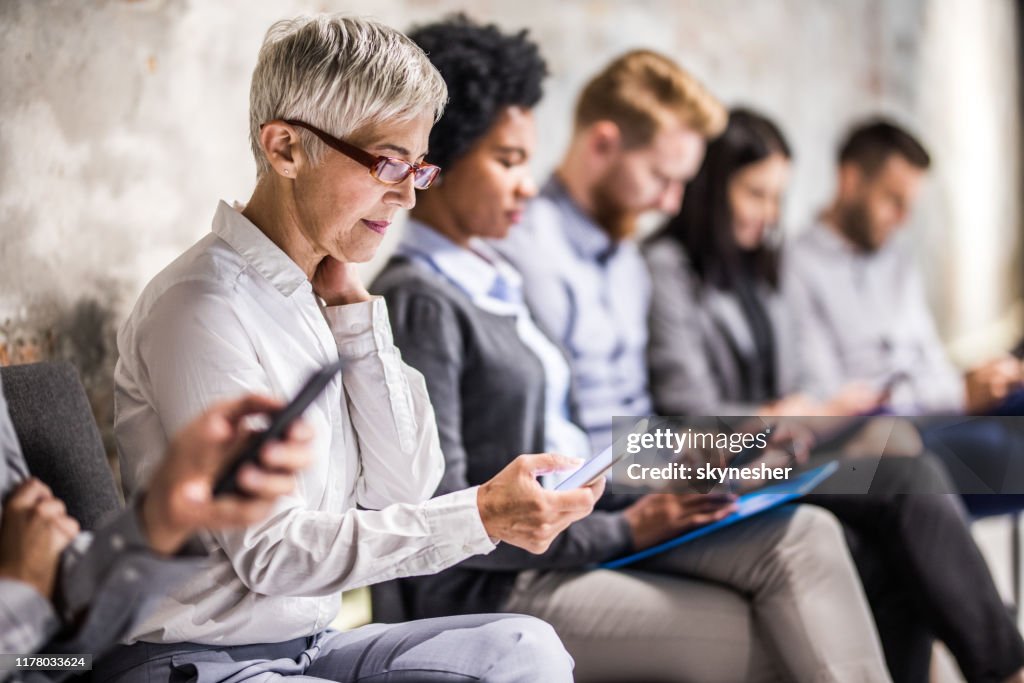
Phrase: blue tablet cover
x=747 y=505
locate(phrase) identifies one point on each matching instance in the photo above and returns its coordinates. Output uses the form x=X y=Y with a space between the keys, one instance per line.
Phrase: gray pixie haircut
x=340 y=74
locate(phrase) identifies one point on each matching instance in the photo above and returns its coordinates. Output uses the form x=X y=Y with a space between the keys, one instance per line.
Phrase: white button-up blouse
x=234 y=314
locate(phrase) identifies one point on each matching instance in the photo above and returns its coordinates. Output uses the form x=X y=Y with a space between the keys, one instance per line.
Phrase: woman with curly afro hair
x=486 y=137
x=500 y=387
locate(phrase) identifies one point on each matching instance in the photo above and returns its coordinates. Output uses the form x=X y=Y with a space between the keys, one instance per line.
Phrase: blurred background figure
x=858 y=307
x=722 y=342
x=857 y=297
x=62 y=591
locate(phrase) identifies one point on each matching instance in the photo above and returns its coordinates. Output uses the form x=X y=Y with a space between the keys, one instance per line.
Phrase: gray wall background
x=122 y=123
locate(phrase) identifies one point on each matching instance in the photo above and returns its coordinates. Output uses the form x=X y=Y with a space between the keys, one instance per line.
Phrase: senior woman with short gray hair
x=341 y=109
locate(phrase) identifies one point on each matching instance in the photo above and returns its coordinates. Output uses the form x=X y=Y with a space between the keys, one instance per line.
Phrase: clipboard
x=748 y=505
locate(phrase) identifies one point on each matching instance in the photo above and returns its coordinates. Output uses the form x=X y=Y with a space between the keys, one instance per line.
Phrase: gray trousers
x=775 y=598
x=493 y=648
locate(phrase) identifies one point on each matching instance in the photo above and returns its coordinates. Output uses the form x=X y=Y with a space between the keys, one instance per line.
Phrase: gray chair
x=59 y=437
x=60 y=441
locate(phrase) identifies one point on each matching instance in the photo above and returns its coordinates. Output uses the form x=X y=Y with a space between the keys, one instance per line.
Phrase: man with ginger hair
x=639 y=135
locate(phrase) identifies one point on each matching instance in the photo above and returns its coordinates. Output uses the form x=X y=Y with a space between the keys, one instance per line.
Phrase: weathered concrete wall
x=122 y=123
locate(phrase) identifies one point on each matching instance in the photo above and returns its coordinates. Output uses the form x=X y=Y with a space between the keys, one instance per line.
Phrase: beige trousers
x=774 y=598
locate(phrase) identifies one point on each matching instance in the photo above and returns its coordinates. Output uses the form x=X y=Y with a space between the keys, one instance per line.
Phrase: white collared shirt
x=234 y=314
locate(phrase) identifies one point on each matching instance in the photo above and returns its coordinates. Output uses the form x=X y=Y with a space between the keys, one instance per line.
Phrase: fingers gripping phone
x=280 y=422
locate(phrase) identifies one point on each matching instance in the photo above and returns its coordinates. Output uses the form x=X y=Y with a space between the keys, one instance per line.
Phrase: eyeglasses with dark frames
x=388 y=170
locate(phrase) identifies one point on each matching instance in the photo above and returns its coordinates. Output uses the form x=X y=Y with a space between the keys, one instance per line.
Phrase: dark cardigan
x=487 y=389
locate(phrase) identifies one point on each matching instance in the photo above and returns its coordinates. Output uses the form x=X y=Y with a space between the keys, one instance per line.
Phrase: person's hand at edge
x=180 y=501
x=36 y=528
x=516 y=509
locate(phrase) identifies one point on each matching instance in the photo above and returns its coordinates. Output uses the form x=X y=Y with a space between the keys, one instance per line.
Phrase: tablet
x=591 y=470
x=747 y=505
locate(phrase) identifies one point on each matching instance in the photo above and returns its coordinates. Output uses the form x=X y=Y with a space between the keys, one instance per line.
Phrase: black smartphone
x=280 y=421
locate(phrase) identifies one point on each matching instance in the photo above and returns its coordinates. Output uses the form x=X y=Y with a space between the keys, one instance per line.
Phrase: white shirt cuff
x=456 y=518
x=360 y=329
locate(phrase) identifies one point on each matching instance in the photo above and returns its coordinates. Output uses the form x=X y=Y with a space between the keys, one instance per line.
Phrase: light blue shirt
x=590 y=295
x=493 y=285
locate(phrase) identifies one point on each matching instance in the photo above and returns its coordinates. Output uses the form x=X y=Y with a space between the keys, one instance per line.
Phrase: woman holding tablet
x=776 y=598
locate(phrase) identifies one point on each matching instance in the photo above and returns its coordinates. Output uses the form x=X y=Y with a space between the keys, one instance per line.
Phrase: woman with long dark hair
x=721 y=253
